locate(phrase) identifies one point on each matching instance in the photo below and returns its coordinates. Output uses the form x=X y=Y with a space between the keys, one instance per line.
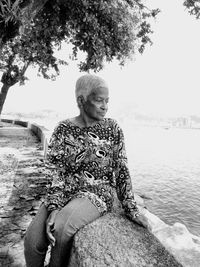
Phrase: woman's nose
x=104 y=105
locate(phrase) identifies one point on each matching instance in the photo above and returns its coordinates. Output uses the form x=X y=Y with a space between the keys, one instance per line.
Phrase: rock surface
x=113 y=240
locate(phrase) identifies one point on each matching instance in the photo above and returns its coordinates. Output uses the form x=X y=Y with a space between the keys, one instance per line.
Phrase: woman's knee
x=61 y=228
x=70 y=220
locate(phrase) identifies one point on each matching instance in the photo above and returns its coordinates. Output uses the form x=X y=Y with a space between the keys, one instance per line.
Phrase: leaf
x=2 y=8
x=33 y=213
x=8 y=3
x=27 y=198
x=16 y=208
x=31 y=209
x=4 y=216
x=15 y=5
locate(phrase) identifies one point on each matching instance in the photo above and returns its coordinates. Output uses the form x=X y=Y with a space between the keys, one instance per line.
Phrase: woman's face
x=96 y=105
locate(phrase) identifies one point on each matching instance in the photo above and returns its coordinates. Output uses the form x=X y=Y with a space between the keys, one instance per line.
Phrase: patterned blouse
x=89 y=162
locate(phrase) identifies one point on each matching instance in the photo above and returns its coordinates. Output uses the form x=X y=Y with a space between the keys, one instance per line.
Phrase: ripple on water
x=165 y=165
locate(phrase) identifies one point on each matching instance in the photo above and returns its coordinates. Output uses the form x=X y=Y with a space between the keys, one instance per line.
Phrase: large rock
x=113 y=240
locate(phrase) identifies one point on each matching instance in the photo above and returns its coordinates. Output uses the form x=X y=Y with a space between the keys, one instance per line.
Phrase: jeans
x=76 y=214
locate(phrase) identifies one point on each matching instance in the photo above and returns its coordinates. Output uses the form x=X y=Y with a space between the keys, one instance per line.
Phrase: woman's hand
x=141 y=219
x=50 y=227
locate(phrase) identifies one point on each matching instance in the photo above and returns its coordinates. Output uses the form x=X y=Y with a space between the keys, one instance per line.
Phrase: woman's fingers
x=50 y=227
x=50 y=236
x=142 y=220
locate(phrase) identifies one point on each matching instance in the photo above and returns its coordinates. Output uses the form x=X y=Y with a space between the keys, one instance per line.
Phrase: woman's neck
x=84 y=121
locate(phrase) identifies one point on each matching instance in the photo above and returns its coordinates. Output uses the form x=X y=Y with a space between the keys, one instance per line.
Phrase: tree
x=103 y=29
x=193 y=7
x=16 y=56
x=15 y=15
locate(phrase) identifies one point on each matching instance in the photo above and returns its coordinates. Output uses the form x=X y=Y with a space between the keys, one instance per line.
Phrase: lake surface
x=165 y=166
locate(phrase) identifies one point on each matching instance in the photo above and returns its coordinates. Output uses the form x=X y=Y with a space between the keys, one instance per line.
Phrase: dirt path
x=22 y=186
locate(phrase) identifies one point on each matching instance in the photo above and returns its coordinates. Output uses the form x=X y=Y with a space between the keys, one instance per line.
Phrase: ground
x=22 y=186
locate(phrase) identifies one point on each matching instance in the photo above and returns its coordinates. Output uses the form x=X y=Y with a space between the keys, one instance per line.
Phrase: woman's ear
x=80 y=101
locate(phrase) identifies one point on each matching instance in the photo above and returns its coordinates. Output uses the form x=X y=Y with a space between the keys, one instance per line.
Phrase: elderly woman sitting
x=87 y=162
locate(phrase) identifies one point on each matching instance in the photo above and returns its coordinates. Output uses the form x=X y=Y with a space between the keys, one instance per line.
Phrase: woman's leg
x=76 y=214
x=35 y=242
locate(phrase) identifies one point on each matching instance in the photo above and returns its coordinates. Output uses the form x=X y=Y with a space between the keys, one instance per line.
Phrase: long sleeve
x=123 y=178
x=54 y=170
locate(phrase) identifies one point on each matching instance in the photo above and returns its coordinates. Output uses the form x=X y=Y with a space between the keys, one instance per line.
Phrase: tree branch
x=29 y=12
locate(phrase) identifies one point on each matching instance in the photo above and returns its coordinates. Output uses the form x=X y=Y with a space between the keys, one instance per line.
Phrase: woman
x=87 y=162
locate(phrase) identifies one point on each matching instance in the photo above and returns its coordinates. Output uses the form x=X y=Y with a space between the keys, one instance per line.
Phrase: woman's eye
x=102 y=100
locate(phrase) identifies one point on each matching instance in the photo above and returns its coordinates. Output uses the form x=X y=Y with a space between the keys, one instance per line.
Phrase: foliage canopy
x=104 y=29
x=193 y=7
x=31 y=30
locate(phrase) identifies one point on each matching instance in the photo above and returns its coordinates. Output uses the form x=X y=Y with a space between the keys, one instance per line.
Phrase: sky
x=164 y=81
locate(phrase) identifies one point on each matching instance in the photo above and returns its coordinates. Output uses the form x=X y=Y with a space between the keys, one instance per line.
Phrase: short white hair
x=88 y=82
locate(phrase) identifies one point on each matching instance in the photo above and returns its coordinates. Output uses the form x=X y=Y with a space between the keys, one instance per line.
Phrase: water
x=165 y=166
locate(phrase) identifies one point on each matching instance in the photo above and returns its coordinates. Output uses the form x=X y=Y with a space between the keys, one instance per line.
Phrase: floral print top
x=89 y=162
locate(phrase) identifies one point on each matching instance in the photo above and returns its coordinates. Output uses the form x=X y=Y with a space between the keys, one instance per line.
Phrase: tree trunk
x=3 y=94
x=9 y=80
